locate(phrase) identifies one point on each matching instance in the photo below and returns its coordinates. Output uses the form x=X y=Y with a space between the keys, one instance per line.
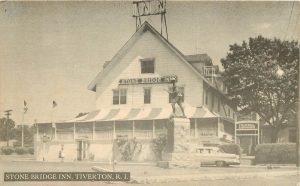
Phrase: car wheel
x=220 y=164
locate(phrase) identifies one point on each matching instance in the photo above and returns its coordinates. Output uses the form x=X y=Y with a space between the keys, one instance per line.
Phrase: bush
x=275 y=153
x=30 y=150
x=21 y=150
x=128 y=148
x=7 y=150
x=231 y=148
x=158 y=145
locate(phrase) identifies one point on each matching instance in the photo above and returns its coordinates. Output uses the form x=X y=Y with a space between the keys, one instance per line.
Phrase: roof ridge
x=145 y=25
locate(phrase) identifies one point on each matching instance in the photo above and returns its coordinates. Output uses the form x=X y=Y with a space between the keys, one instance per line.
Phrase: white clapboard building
x=132 y=101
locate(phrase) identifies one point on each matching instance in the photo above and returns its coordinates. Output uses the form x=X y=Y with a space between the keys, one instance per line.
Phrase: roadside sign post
x=45 y=139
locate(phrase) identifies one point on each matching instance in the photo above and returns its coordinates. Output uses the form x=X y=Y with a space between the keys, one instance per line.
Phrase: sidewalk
x=152 y=174
x=198 y=177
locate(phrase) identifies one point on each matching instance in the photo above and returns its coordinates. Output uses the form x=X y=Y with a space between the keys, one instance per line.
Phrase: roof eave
x=146 y=25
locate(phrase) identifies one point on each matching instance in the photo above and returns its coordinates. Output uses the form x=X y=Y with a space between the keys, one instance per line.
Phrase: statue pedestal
x=181 y=148
x=181 y=135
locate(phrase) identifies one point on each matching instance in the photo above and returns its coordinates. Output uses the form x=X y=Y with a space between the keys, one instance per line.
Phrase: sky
x=53 y=50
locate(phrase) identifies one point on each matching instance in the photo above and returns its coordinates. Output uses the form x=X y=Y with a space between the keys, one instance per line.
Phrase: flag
x=54 y=104
x=25 y=107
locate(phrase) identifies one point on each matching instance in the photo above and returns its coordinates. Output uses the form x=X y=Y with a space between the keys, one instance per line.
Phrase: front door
x=82 y=147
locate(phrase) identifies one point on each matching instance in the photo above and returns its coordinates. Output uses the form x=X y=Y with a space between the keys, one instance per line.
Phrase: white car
x=216 y=156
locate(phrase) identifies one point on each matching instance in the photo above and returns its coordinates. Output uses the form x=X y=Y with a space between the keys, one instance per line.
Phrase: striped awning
x=203 y=112
x=123 y=114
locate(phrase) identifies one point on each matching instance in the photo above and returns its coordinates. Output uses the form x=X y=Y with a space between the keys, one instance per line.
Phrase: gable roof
x=145 y=27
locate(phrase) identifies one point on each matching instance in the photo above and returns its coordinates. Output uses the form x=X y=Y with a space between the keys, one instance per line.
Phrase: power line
x=289 y=20
x=296 y=25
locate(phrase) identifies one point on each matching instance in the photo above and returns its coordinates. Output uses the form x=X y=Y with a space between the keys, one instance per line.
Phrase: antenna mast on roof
x=150 y=7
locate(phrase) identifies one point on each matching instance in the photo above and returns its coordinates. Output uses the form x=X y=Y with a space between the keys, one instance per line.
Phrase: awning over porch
x=118 y=114
x=202 y=112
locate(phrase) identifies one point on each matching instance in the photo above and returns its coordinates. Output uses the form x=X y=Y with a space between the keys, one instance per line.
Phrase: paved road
x=278 y=181
x=8 y=166
x=270 y=181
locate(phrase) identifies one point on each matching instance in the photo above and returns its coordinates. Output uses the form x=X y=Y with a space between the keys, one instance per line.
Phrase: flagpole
x=22 y=125
x=52 y=121
x=52 y=116
x=52 y=125
x=22 y=143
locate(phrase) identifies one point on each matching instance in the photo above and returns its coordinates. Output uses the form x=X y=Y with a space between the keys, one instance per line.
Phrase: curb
x=274 y=166
x=197 y=177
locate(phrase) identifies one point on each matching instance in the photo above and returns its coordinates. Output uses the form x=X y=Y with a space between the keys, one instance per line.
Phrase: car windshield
x=205 y=150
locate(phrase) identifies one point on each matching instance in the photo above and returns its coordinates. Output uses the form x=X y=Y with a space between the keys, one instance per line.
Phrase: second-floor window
x=147 y=65
x=147 y=95
x=119 y=96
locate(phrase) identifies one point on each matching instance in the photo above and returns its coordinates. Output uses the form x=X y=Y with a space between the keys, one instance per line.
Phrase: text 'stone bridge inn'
x=66 y=176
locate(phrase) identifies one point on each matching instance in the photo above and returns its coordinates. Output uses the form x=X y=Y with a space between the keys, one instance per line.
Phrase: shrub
x=158 y=145
x=7 y=150
x=275 y=153
x=231 y=148
x=31 y=150
x=128 y=148
x=21 y=150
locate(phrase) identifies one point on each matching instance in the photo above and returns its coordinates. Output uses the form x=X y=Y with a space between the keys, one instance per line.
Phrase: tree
x=262 y=76
x=6 y=127
x=28 y=134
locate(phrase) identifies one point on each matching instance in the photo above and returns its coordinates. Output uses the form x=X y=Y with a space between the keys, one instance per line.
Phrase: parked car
x=216 y=156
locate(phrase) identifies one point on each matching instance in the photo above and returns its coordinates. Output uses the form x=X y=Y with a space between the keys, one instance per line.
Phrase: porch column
x=114 y=130
x=235 y=140
x=37 y=133
x=196 y=128
x=132 y=129
x=74 y=131
x=258 y=133
x=55 y=136
x=261 y=135
x=153 y=129
x=218 y=129
x=94 y=123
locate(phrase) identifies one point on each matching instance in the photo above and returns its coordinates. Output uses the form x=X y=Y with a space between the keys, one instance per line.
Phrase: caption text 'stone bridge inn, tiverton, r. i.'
x=133 y=102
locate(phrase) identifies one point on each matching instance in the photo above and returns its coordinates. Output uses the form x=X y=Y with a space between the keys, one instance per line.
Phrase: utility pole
x=298 y=137
x=298 y=129
x=7 y=114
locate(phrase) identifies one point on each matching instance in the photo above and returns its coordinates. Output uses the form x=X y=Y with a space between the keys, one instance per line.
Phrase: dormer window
x=147 y=65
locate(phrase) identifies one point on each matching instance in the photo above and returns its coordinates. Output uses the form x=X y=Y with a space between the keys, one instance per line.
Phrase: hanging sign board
x=148 y=80
x=246 y=126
